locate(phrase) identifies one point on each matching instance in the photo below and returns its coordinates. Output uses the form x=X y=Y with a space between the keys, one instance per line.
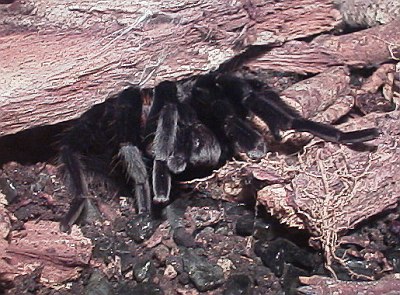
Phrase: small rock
x=238 y=285
x=141 y=227
x=161 y=252
x=223 y=229
x=170 y=272
x=206 y=234
x=245 y=225
x=226 y=264
x=176 y=262
x=184 y=278
x=275 y=253
x=265 y=230
x=143 y=271
x=98 y=285
x=8 y=189
x=183 y=238
x=5 y=223
x=147 y=289
x=204 y=275
x=205 y=216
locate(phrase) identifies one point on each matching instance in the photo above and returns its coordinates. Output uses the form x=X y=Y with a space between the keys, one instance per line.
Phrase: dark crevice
x=32 y=145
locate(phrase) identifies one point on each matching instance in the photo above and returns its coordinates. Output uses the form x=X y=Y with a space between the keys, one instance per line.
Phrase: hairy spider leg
x=205 y=148
x=74 y=144
x=199 y=145
x=241 y=134
x=179 y=158
x=165 y=100
x=330 y=133
x=105 y=130
x=279 y=116
x=74 y=175
x=263 y=107
x=127 y=117
x=227 y=117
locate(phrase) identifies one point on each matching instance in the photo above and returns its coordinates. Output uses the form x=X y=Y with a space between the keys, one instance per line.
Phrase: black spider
x=193 y=126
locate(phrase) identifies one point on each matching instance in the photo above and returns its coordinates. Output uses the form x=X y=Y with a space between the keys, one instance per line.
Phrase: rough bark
x=60 y=58
x=365 y=48
x=368 y=13
x=61 y=256
x=322 y=285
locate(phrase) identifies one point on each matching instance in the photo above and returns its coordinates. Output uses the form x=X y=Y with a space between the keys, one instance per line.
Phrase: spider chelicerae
x=194 y=125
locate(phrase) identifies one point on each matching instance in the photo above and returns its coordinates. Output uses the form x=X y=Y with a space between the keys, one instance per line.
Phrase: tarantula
x=193 y=125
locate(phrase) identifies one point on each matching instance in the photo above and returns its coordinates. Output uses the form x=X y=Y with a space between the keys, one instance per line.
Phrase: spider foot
x=81 y=209
x=161 y=182
x=330 y=133
x=135 y=168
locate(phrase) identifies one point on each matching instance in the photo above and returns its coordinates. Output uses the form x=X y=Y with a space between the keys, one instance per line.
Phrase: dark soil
x=197 y=245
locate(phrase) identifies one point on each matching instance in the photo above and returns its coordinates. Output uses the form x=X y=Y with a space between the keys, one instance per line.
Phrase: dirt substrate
x=197 y=245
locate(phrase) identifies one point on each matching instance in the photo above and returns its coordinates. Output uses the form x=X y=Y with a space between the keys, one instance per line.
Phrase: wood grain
x=58 y=58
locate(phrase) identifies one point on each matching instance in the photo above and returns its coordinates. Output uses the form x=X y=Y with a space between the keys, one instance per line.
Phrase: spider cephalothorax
x=193 y=125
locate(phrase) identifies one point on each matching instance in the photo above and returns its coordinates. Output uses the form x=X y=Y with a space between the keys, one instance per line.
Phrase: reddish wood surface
x=369 y=47
x=60 y=58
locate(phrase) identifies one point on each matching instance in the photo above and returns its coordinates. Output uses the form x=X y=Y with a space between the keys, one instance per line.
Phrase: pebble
x=238 y=284
x=204 y=275
x=98 y=285
x=141 y=227
x=245 y=225
x=275 y=253
x=183 y=238
x=5 y=223
x=170 y=272
x=265 y=230
x=8 y=189
x=161 y=252
x=147 y=289
x=226 y=264
x=176 y=262
x=143 y=270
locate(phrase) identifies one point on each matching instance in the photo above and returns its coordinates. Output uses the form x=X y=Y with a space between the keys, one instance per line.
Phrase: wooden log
x=59 y=58
x=365 y=48
x=368 y=13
